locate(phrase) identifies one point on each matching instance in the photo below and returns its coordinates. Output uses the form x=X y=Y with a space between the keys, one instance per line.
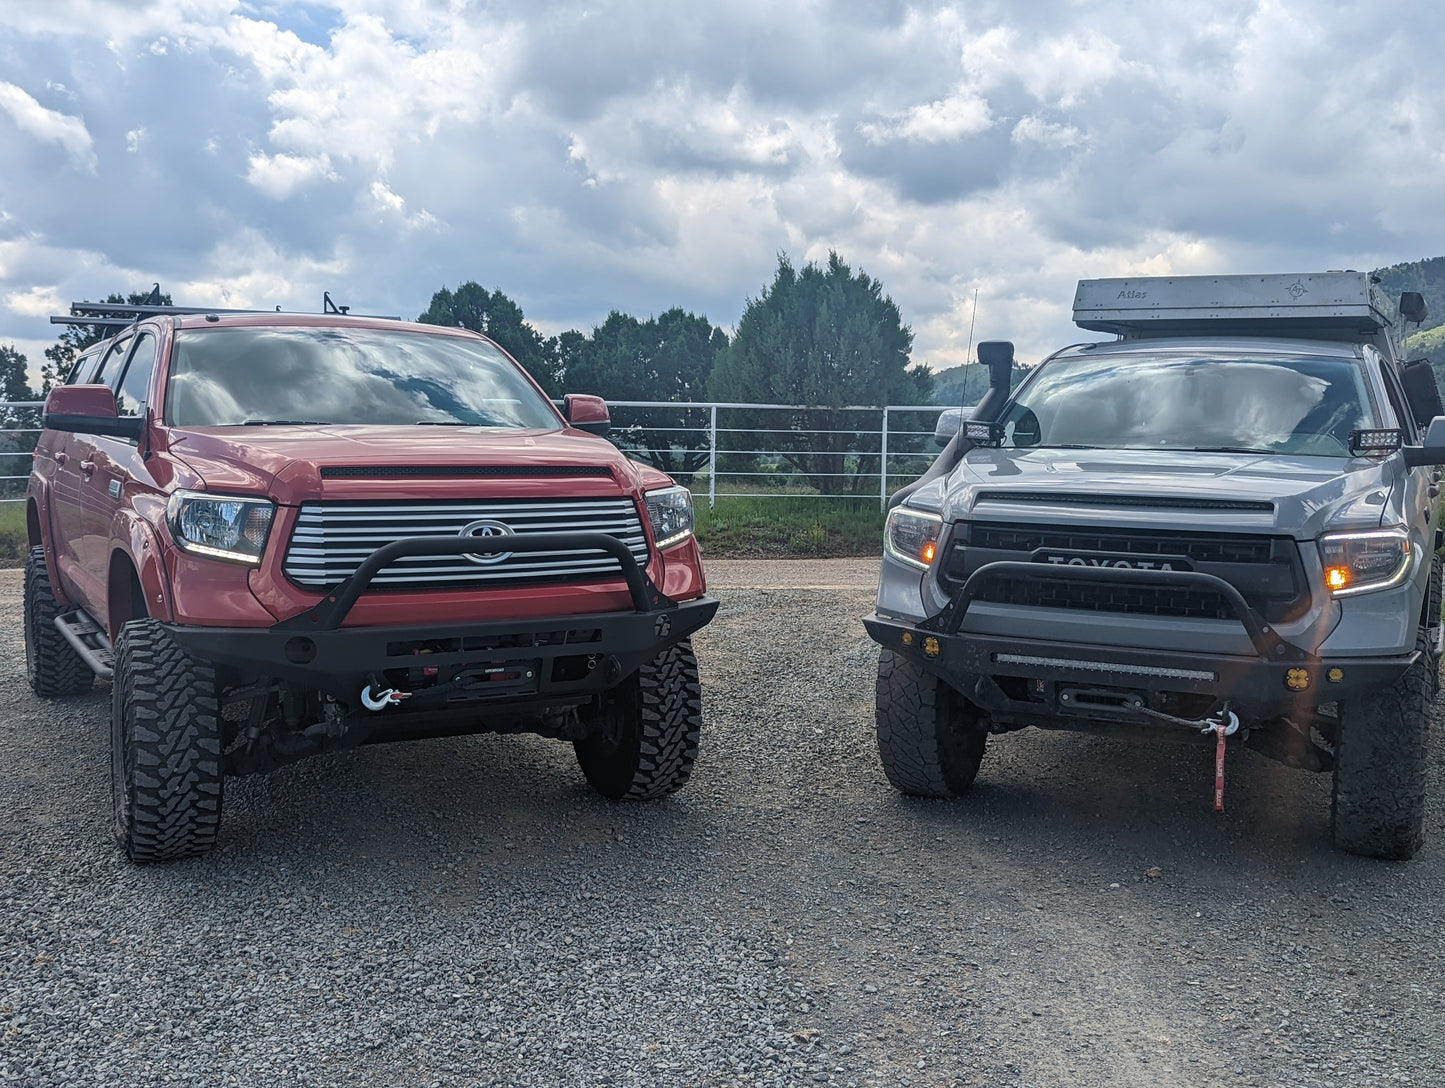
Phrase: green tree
x=665 y=358
x=822 y=338
x=965 y=385
x=493 y=314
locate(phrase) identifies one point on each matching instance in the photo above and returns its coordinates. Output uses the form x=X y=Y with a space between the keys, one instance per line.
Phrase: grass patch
x=789 y=527
x=801 y=527
x=13 y=540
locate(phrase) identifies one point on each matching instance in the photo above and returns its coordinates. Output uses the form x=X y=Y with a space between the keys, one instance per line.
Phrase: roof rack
x=120 y=314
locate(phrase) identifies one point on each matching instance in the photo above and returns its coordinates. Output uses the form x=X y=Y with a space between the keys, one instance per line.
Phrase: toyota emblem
x=484 y=530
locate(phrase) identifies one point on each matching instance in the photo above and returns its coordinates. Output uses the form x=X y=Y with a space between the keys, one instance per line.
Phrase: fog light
x=908 y=638
x=930 y=646
x=1334 y=676
x=1297 y=679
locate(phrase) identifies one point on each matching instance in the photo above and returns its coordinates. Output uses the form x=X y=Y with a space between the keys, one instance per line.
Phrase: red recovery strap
x=1221 y=730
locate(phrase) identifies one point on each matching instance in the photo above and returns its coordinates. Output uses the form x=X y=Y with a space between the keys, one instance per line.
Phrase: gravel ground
x=460 y=912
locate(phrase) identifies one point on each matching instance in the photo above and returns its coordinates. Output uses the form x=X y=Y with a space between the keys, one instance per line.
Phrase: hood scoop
x=1150 y=502
x=454 y=472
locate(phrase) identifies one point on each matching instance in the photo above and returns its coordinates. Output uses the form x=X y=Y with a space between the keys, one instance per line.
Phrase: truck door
x=80 y=520
x=117 y=461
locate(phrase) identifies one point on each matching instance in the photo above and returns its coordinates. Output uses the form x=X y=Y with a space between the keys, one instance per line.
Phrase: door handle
x=62 y=457
x=87 y=467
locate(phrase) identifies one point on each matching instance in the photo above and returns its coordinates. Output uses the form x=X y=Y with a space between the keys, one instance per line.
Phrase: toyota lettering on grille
x=1108 y=559
x=486 y=529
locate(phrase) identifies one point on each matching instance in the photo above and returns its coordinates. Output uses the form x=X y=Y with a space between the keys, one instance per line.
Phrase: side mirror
x=1413 y=307
x=950 y=422
x=1432 y=452
x=587 y=413
x=89 y=409
x=1421 y=392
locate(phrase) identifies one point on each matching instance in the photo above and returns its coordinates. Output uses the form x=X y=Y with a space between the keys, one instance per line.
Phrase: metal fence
x=721 y=450
x=19 y=429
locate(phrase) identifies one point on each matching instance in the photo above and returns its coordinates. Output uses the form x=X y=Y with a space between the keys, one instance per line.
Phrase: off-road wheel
x=930 y=738
x=644 y=740
x=1378 y=807
x=165 y=747
x=52 y=666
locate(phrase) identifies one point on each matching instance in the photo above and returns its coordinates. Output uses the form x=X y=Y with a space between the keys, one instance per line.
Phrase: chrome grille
x=332 y=539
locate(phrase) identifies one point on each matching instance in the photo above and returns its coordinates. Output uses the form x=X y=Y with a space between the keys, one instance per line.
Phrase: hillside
x=1427 y=277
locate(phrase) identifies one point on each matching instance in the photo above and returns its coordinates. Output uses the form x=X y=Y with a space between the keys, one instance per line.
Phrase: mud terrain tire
x=929 y=736
x=645 y=740
x=52 y=666
x=165 y=738
x=1378 y=806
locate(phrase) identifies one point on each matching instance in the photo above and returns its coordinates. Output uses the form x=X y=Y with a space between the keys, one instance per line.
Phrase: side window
x=130 y=395
x=83 y=371
x=1396 y=394
x=112 y=360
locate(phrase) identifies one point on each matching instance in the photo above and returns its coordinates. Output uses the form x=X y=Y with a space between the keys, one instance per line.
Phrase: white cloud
x=393 y=208
x=940 y=121
x=49 y=126
x=282 y=176
x=643 y=155
x=36 y=302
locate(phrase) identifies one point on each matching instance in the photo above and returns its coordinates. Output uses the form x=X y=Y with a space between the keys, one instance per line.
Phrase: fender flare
x=38 y=507
x=136 y=539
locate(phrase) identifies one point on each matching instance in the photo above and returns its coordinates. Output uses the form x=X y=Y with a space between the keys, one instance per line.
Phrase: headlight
x=221 y=526
x=1365 y=561
x=912 y=536
x=670 y=511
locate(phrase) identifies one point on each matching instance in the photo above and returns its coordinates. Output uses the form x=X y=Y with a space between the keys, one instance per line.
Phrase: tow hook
x=1226 y=718
x=382 y=699
x=1224 y=723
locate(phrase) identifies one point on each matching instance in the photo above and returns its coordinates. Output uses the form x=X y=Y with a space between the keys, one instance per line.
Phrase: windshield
x=234 y=376
x=1291 y=405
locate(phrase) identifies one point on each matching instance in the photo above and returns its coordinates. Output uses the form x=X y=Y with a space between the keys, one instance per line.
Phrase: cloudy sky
x=640 y=154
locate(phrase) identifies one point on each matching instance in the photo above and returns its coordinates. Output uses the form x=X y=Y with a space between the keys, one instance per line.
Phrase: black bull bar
x=314 y=649
x=1261 y=683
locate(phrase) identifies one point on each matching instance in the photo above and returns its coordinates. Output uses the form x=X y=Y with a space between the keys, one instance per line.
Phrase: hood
x=1297 y=496
x=295 y=463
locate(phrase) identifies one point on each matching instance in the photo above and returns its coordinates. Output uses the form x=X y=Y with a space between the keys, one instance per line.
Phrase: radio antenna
x=968 y=353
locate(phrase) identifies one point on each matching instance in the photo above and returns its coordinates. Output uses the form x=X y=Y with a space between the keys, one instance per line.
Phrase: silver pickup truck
x=1220 y=528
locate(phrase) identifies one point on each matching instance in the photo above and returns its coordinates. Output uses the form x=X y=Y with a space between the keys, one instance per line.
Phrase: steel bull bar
x=1271 y=681
x=314 y=649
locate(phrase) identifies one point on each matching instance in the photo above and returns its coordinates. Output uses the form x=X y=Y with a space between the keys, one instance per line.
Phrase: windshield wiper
x=283 y=423
x=1227 y=449
x=444 y=423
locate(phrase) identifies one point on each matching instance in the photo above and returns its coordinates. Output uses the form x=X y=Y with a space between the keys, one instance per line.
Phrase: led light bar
x=982 y=433
x=1380 y=440
x=1105 y=666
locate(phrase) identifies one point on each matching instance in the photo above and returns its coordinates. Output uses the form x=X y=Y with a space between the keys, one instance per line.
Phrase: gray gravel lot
x=459 y=912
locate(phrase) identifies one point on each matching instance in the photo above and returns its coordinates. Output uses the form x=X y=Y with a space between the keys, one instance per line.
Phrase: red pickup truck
x=284 y=534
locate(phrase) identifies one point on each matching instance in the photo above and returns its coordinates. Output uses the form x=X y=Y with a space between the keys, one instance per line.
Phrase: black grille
x=469 y=472
x=1265 y=570
x=1153 y=502
x=1045 y=592
x=1199 y=548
